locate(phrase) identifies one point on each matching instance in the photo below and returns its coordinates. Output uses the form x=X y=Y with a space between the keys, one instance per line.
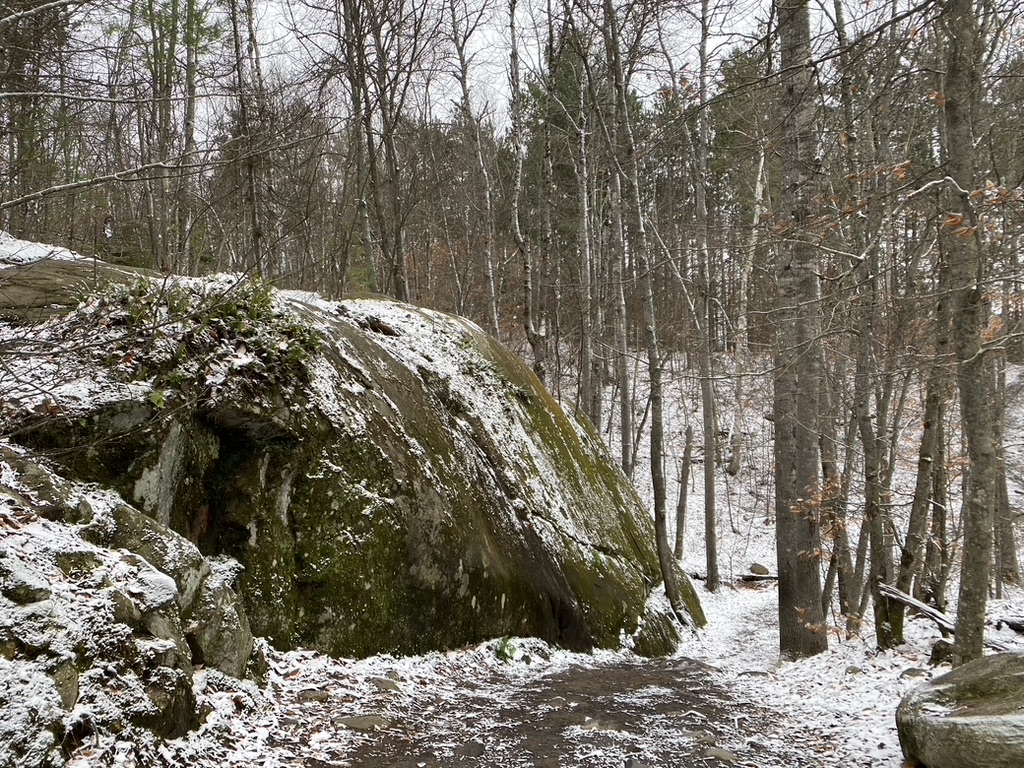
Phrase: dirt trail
x=637 y=714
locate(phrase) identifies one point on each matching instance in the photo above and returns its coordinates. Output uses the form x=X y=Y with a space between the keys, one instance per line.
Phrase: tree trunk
x=798 y=377
x=931 y=584
x=631 y=177
x=964 y=279
x=535 y=337
x=707 y=400
x=747 y=264
x=684 y=493
x=834 y=501
x=622 y=336
x=1007 y=562
x=912 y=557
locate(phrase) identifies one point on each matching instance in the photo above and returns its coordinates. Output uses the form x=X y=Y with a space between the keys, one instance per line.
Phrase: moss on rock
x=391 y=479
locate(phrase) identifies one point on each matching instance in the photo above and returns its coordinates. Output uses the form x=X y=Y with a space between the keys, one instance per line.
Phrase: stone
x=313 y=695
x=126 y=528
x=18 y=583
x=722 y=755
x=217 y=628
x=471 y=749
x=385 y=684
x=970 y=716
x=364 y=722
x=208 y=619
x=29 y=736
x=65 y=678
x=942 y=653
x=394 y=481
x=170 y=691
x=913 y=673
x=111 y=641
x=759 y=570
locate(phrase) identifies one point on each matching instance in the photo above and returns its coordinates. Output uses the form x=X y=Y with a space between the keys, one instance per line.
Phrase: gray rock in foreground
x=104 y=614
x=972 y=716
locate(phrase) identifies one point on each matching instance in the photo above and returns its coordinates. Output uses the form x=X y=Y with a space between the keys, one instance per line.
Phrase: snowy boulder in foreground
x=972 y=716
x=97 y=638
x=391 y=478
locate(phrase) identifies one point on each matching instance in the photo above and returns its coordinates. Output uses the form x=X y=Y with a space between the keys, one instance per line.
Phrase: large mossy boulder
x=972 y=716
x=391 y=479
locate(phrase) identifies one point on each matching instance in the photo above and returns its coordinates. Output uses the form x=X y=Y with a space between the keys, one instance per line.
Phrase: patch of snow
x=15 y=252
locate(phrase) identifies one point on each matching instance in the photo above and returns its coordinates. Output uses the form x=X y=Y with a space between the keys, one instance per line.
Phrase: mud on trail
x=593 y=712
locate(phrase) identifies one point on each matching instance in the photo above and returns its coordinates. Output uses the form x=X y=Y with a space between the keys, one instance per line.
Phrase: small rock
x=471 y=749
x=720 y=754
x=595 y=724
x=364 y=722
x=634 y=763
x=125 y=610
x=913 y=672
x=852 y=670
x=385 y=684
x=312 y=695
x=699 y=737
x=759 y=570
x=942 y=653
x=20 y=584
x=65 y=678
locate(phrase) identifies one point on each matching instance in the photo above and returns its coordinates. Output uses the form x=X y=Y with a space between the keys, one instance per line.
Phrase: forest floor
x=724 y=700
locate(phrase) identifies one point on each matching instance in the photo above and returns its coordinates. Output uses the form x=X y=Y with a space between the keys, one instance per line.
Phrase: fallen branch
x=945 y=622
x=1016 y=623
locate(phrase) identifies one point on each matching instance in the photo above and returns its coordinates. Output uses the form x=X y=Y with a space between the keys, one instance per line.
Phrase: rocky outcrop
x=390 y=479
x=971 y=716
x=103 y=613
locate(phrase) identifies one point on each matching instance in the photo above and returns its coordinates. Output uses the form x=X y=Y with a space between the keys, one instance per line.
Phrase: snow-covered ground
x=840 y=705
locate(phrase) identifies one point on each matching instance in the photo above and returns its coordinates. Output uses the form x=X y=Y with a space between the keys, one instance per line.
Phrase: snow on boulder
x=390 y=478
x=15 y=251
x=971 y=716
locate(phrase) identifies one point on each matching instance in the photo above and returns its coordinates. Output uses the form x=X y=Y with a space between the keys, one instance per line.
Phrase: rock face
x=971 y=716
x=391 y=479
x=102 y=615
